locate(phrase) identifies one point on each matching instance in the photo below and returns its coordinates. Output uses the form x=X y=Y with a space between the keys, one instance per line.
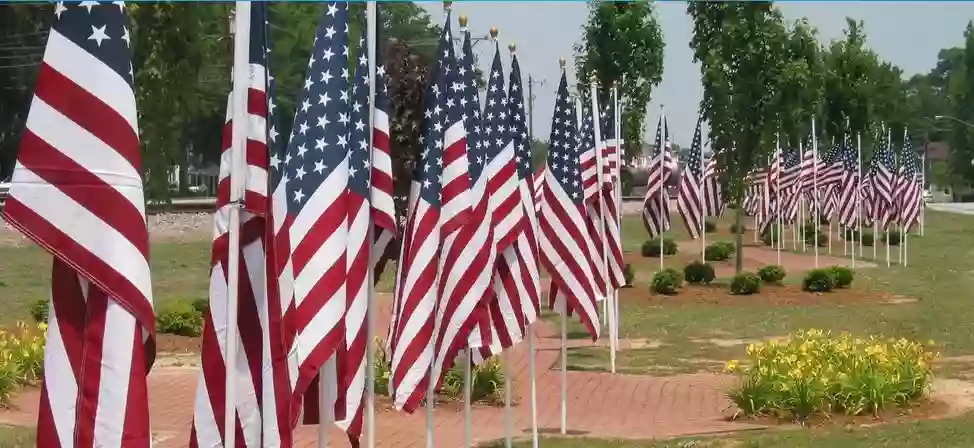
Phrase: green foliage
x=719 y=251
x=697 y=273
x=627 y=180
x=709 y=227
x=39 y=310
x=737 y=229
x=770 y=236
x=842 y=275
x=745 y=283
x=622 y=42
x=381 y=365
x=818 y=280
x=179 y=318
x=868 y=238
x=894 y=237
x=21 y=358
x=201 y=305
x=629 y=274
x=666 y=282
x=772 y=274
x=816 y=236
x=815 y=373
x=651 y=248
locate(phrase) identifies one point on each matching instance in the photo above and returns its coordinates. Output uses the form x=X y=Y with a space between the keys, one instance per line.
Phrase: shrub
x=868 y=239
x=21 y=358
x=719 y=251
x=39 y=309
x=823 y=239
x=895 y=237
x=813 y=372
x=772 y=273
x=818 y=280
x=842 y=276
x=850 y=234
x=201 y=305
x=628 y=273
x=381 y=364
x=770 y=236
x=809 y=228
x=179 y=318
x=698 y=272
x=709 y=227
x=745 y=283
x=651 y=247
x=734 y=229
x=666 y=282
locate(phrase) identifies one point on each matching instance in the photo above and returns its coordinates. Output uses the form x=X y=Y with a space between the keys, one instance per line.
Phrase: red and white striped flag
x=610 y=180
x=77 y=192
x=262 y=400
x=656 y=206
x=690 y=199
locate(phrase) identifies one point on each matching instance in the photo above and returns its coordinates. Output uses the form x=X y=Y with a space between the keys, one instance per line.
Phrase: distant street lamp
x=954 y=119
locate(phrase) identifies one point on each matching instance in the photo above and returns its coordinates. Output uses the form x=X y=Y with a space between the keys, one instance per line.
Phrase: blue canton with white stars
x=563 y=160
x=694 y=158
x=359 y=132
x=850 y=157
x=608 y=124
x=100 y=29
x=518 y=126
x=319 y=135
x=495 y=130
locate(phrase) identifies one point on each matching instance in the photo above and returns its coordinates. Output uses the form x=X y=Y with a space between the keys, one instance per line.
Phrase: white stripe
x=62 y=386
x=93 y=75
x=116 y=366
x=86 y=150
x=86 y=229
x=320 y=200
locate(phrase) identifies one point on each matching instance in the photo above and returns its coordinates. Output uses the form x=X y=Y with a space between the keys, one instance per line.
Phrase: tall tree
x=740 y=47
x=962 y=89
x=801 y=84
x=623 y=44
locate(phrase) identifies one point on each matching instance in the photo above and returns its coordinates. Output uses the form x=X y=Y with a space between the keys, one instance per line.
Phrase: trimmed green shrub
x=868 y=239
x=895 y=237
x=841 y=276
x=735 y=229
x=666 y=282
x=719 y=251
x=628 y=273
x=201 y=305
x=818 y=280
x=772 y=274
x=651 y=247
x=179 y=318
x=823 y=239
x=698 y=273
x=709 y=227
x=745 y=283
x=38 y=309
x=770 y=236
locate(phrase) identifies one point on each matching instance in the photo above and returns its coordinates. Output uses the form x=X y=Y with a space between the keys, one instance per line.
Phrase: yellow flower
x=731 y=366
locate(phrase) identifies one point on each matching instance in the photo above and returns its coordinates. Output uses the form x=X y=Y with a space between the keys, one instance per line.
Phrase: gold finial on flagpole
x=463 y=20
x=512 y=47
x=493 y=32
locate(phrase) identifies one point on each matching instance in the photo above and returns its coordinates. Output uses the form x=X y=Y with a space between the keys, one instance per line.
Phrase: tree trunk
x=739 y=238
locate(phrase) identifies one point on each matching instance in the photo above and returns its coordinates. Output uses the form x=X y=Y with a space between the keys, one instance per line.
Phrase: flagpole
x=617 y=122
x=815 y=188
x=662 y=184
x=238 y=169
x=703 y=208
x=371 y=15
x=889 y=147
x=802 y=202
x=535 y=440
x=777 y=189
x=600 y=178
x=923 y=186
x=467 y=377
x=858 y=182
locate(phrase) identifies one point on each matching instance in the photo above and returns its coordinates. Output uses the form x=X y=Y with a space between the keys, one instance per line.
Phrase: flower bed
x=21 y=358
x=815 y=373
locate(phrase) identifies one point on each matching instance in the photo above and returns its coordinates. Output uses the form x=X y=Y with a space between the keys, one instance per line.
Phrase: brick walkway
x=599 y=405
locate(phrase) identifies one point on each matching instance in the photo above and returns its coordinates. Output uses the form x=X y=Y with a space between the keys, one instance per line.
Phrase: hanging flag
x=689 y=201
x=439 y=205
x=790 y=184
x=610 y=180
x=849 y=203
x=882 y=180
x=566 y=246
x=76 y=191
x=712 y=195
x=656 y=207
x=909 y=191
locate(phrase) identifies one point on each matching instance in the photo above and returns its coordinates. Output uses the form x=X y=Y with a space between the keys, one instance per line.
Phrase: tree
x=622 y=43
x=740 y=47
x=962 y=89
x=800 y=88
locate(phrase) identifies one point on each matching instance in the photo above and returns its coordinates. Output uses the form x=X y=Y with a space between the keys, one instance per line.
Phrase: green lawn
x=16 y=437
x=954 y=433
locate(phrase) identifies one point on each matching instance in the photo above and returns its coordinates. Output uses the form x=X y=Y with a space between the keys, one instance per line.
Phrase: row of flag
x=301 y=225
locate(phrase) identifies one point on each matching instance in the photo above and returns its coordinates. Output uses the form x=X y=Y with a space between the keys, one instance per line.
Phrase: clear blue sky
x=908 y=34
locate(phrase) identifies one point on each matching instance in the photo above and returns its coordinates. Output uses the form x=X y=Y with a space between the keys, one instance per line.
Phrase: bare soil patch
x=170 y=343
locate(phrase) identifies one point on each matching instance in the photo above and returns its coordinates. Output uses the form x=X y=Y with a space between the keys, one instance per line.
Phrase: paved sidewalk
x=599 y=405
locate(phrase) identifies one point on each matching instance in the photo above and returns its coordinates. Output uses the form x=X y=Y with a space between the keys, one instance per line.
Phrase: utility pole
x=531 y=83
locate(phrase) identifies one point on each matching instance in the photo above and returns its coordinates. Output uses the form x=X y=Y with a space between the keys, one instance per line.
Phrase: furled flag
x=610 y=182
x=830 y=174
x=261 y=368
x=712 y=195
x=689 y=202
x=467 y=258
x=850 y=203
x=790 y=184
x=768 y=194
x=656 y=206
x=566 y=244
x=439 y=204
x=76 y=191
x=369 y=201
x=539 y=177
x=909 y=191
x=882 y=180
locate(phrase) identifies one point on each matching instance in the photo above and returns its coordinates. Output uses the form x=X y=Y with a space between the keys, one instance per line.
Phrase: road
x=963 y=208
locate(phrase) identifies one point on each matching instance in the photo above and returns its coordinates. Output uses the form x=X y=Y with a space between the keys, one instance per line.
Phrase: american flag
x=690 y=202
x=790 y=184
x=656 y=207
x=77 y=191
x=262 y=411
x=909 y=190
x=467 y=259
x=767 y=193
x=439 y=205
x=882 y=180
x=610 y=161
x=515 y=283
x=370 y=200
x=713 y=202
x=850 y=202
x=538 y=181
x=566 y=245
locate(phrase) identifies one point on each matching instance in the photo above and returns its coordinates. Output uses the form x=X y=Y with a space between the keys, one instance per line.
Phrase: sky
x=908 y=34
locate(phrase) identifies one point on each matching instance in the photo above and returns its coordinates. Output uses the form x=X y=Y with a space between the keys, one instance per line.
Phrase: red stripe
x=90 y=379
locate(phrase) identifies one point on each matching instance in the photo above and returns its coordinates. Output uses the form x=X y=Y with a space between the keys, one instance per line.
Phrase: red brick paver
x=599 y=405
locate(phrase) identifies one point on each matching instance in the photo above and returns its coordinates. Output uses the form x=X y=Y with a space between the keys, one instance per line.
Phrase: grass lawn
x=16 y=437
x=696 y=336
x=954 y=433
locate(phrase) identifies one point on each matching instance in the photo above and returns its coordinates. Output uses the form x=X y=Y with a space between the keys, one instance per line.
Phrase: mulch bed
x=925 y=409
x=787 y=295
x=170 y=343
